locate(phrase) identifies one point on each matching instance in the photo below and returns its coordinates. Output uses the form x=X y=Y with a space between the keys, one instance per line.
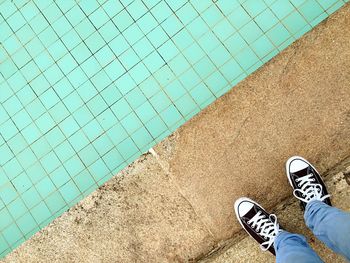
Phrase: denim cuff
x=311 y=203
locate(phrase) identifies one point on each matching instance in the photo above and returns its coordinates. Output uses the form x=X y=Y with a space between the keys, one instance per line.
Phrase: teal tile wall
x=88 y=86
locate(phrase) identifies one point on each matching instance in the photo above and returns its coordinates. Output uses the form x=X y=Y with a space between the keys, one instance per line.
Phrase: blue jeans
x=329 y=224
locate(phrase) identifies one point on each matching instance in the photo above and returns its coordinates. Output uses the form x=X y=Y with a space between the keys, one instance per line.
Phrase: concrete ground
x=175 y=203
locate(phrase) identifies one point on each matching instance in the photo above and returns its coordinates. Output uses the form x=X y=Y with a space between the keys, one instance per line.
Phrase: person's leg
x=264 y=228
x=291 y=248
x=330 y=225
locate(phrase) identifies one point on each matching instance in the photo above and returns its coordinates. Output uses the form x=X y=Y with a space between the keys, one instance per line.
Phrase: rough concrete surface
x=138 y=216
x=297 y=104
x=245 y=249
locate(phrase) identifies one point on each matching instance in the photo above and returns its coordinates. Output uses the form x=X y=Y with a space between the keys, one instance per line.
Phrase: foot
x=259 y=224
x=306 y=182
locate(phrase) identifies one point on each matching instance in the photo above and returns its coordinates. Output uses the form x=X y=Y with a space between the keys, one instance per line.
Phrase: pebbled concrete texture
x=244 y=249
x=138 y=216
x=175 y=204
x=297 y=104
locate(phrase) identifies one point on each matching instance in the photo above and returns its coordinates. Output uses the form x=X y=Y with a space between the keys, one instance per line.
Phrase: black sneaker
x=306 y=182
x=259 y=224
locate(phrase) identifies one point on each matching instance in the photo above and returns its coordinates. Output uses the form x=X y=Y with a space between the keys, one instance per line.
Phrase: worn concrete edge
x=225 y=245
x=141 y=164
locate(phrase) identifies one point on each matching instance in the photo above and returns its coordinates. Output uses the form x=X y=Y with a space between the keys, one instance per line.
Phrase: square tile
x=153 y=62
x=310 y=10
x=125 y=84
x=98 y=170
x=208 y=42
x=94 y=42
x=171 y=116
x=278 y=34
x=246 y=58
x=172 y=25
x=142 y=138
x=113 y=160
x=92 y=130
x=78 y=141
x=223 y=29
x=201 y=94
x=12 y=234
x=112 y=8
x=117 y=134
x=131 y=123
x=250 y=32
x=74 y=166
x=254 y=8
x=122 y=20
x=161 y=11
x=98 y=18
x=75 y=15
x=82 y=116
x=102 y=145
x=281 y=8
x=59 y=177
x=185 y=105
x=136 y=9
x=239 y=18
x=186 y=13
x=84 y=29
x=45 y=187
x=197 y=27
x=220 y=55
x=40 y=212
x=262 y=46
x=129 y=59
x=127 y=148
x=17 y=208
x=50 y=162
x=212 y=16
x=55 y=202
x=31 y=198
x=84 y=181
x=27 y=223
x=69 y=191
x=108 y=31
x=147 y=23
x=157 y=36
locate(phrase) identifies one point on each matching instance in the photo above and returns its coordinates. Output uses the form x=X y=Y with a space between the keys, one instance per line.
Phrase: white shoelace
x=308 y=189
x=266 y=228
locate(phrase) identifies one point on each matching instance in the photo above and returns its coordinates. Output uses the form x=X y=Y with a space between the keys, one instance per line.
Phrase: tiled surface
x=86 y=88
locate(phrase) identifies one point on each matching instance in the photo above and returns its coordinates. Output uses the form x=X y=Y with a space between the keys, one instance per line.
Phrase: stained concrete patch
x=244 y=248
x=297 y=104
x=138 y=216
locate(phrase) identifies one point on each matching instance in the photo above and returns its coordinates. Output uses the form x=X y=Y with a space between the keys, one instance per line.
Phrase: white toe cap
x=297 y=164
x=244 y=207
